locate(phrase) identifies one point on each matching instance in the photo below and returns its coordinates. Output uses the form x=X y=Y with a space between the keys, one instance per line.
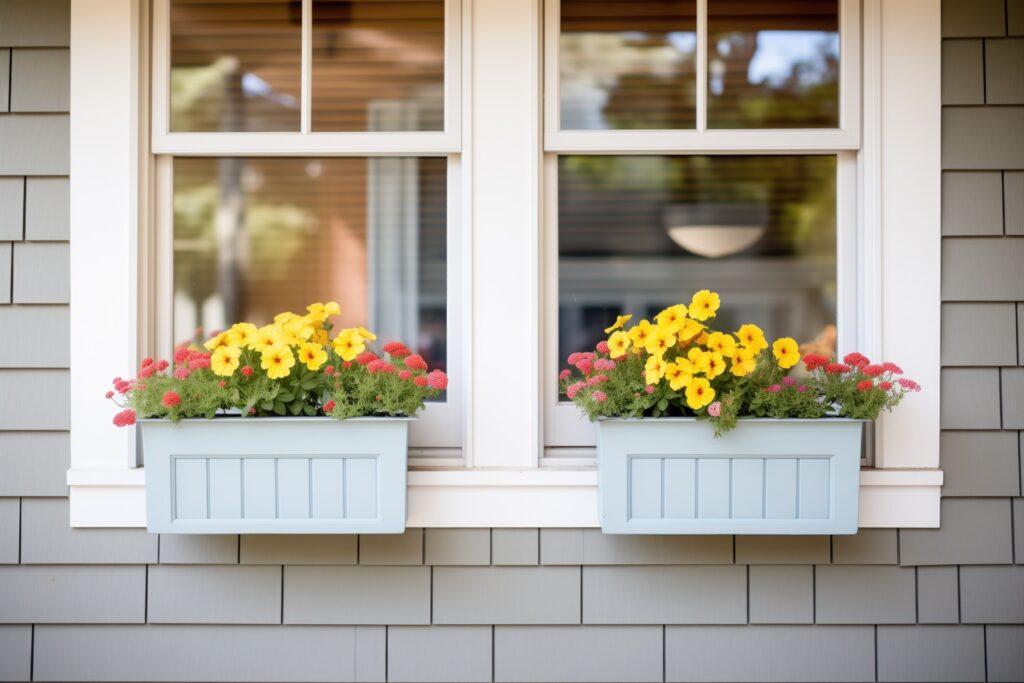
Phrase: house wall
x=524 y=604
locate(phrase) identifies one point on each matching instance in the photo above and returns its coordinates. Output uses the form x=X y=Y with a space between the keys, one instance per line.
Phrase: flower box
x=280 y=475
x=766 y=476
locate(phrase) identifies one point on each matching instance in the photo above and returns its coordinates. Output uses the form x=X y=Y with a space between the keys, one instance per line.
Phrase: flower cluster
x=678 y=365
x=288 y=367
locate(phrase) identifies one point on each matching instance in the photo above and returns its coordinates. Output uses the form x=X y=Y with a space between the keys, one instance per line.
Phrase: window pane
x=638 y=233
x=628 y=64
x=254 y=237
x=235 y=66
x=378 y=65
x=773 y=65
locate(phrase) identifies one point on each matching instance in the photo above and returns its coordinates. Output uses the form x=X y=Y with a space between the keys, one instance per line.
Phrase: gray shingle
x=561 y=546
x=1018 y=525
x=973 y=18
x=34 y=463
x=1013 y=195
x=982 y=138
x=970 y=398
x=10 y=510
x=1004 y=73
x=577 y=653
x=938 y=595
x=47 y=538
x=973 y=531
x=298 y=549
x=992 y=595
x=34 y=400
x=356 y=595
x=781 y=594
x=222 y=594
x=446 y=654
x=514 y=546
x=665 y=595
x=867 y=546
x=15 y=653
x=47 y=209
x=371 y=654
x=983 y=268
x=506 y=595
x=1013 y=397
x=931 y=653
x=35 y=144
x=66 y=594
x=769 y=653
x=868 y=594
x=197 y=653
x=404 y=548
x=1004 y=652
x=40 y=80
x=972 y=203
x=1015 y=17
x=198 y=549
x=602 y=548
x=457 y=546
x=35 y=23
x=5 y=83
x=12 y=202
x=979 y=334
x=5 y=272
x=782 y=549
x=979 y=464
x=42 y=340
x=962 y=72
x=41 y=273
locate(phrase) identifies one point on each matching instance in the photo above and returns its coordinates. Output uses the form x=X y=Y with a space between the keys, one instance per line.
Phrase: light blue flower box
x=672 y=476
x=280 y=475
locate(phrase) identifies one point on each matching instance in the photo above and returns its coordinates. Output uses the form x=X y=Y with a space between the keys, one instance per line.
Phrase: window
x=309 y=151
x=698 y=145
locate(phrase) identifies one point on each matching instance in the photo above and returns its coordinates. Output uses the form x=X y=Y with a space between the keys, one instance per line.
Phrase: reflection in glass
x=254 y=237
x=639 y=233
x=773 y=65
x=628 y=64
x=378 y=65
x=235 y=66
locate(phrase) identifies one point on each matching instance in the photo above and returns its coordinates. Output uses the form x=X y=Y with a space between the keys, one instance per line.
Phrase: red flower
x=437 y=380
x=574 y=389
x=123 y=386
x=788 y=381
x=181 y=354
x=893 y=368
x=602 y=347
x=329 y=370
x=125 y=417
x=405 y=374
x=329 y=406
x=147 y=361
x=909 y=384
x=346 y=364
x=415 y=362
x=396 y=349
x=116 y=381
x=564 y=374
x=865 y=385
x=603 y=364
x=813 y=361
x=856 y=359
x=573 y=357
x=373 y=367
x=597 y=379
x=162 y=365
x=198 y=362
x=366 y=357
x=599 y=396
x=773 y=389
x=147 y=370
x=836 y=368
x=109 y=394
x=247 y=370
x=585 y=365
x=420 y=380
x=222 y=384
x=171 y=399
x=182 y=372
x=885 y=386
x=872 y=370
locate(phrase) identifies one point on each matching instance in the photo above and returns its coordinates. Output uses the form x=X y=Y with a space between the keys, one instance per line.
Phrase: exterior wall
x=524 y=605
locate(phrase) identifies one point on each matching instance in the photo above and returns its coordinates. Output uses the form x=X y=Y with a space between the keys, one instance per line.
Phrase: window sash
x=305 y=142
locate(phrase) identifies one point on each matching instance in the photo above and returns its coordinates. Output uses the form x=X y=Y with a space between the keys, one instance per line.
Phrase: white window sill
x=509 y=498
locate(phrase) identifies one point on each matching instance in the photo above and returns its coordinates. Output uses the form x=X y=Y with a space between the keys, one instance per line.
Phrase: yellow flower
x=265 y=337
x=618 y=344
x=224 y=360
x=277 y=360
x=699 y=393
x=313 y=355
x=323 y=311
x=241 y=334
x=296 y=329
x=722 y=343
x=217 y=341
x=619 y=322
x=654 y=370
x=672 y=318
x=714 y=364
x=348 y=344
x=679 y=374
x=366 y=334
x=744 y=360
x=639 y=333
x=787 y=352
x=696 y=357
x=752 y=337
x=704 y=305
x=689 y=329
x=660 y=341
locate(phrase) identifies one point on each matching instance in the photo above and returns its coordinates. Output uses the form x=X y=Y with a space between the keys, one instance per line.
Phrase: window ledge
x=509 y=498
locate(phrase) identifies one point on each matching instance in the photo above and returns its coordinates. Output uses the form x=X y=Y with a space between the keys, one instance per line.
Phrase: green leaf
x=267 y=404
x=662 y=405
x=279 y=408
x=309 y=410
x=295 y=408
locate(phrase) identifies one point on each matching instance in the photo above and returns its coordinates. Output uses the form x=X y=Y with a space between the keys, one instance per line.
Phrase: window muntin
x=378 y=65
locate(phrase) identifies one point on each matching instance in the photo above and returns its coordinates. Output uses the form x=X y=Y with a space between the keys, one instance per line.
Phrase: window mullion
x=702 y=65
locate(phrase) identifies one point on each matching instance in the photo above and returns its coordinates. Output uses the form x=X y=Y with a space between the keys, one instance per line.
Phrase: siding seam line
x=282 y=596
x=876 y=652
x=32 y=653
x=984 y=70
x=984 y=647
x=959 y=598
x=24 y=199
x=494 y=676
x=21 y=524
x=387 y=640
x=664 y=652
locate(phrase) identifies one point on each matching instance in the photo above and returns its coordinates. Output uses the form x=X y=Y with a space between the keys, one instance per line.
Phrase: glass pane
x=773 y=65
x=378 y=65
x=254 y=237
x=628 y=64
x=235 y=66
x=639 y=233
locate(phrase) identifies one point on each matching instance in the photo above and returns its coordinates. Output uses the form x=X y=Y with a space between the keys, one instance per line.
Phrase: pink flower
x=437 y=380
x=715 y=409
x=420 y=380
x=649 y=389
x=222 y=384
x=802 y=388
x=247 y=370
x=856 y=359
x=147 y=370
x=603 y=364
x=574 y=389
x=564 y=374
x=346 y=364
x=836 y=368
x=396 y=349
x=182 y=372
x=788 y=381
x=329 y=370
x=872 y=370
x=597 y=379
x=123 y=386
x=773 y=389
x=599 y=396
x=116 y=381
x=909 y=384
x=199 y=362
x=171 y=399
x=366 y=357
x=329 y=406
x=415 y=362
x=865 y=385
x=813 y=361
x=405 y=374
x=602 y=347
x=109 y=394
x=573 y=357
x=885 y=386
x=147 y=361
x=181 y=354
x=125 y=417
x=373 y=367
x=162 y=365
x=893 y=368
x=585 y=365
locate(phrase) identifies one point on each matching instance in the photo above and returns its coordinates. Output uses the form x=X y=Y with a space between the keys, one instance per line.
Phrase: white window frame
x=504 y=480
